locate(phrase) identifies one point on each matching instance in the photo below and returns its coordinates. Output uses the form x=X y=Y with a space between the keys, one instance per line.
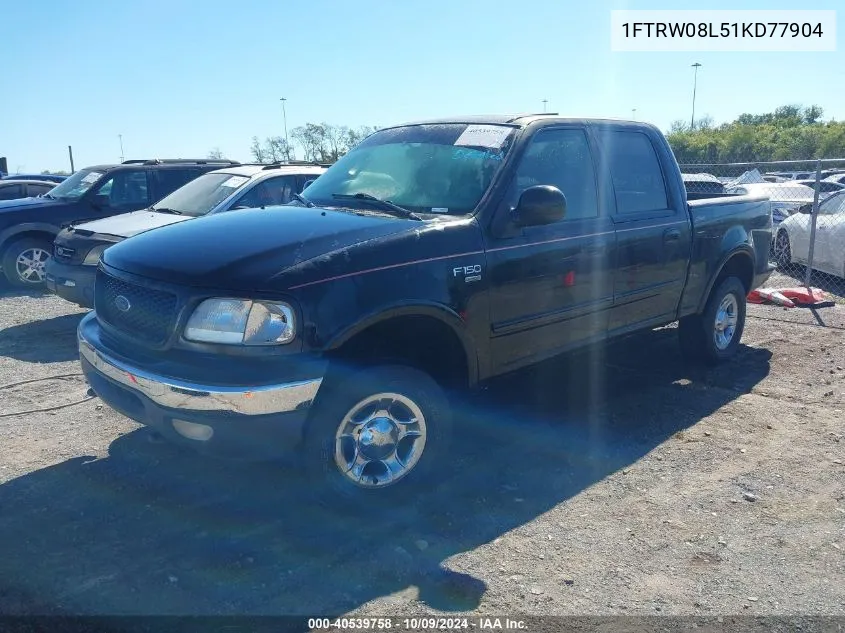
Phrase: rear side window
x=635 y=171
x=166 y=181
x=11 y=192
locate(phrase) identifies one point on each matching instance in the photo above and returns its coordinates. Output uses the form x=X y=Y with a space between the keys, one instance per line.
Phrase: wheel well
x=25 y=234
x=739 y=266
x=421 y=341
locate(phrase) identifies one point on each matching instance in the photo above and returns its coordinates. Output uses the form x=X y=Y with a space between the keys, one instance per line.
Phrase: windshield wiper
x=303 y=200
x=165 y=210
x=385 y=205
x=47 y=195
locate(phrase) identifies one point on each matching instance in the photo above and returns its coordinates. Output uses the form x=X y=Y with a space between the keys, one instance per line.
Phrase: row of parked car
x=56 y=239
x=792 y=195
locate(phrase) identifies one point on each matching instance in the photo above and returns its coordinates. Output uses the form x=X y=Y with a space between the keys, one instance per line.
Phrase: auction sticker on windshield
x=93 y=176
x=234 y=182
x=492 y=136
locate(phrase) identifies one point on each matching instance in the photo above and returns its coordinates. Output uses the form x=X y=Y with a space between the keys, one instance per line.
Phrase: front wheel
x=713 y=336
x=375 y=435
x=25 y=260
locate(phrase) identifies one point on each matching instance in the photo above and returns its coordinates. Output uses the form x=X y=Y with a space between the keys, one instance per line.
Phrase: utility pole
x=696 y=65
x=545 y=101
x=120 y=136
x=285 y=116
x=70 y=155
x=634 y=113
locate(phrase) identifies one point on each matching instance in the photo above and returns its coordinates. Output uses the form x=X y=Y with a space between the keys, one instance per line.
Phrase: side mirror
x=807 y=208
x=538 y=205
x=101 y=201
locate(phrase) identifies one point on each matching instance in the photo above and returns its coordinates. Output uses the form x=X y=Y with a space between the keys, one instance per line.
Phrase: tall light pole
x=285 y=116
x=634 y=113
x=120 y=136
x=696 y=65
x=545 y=101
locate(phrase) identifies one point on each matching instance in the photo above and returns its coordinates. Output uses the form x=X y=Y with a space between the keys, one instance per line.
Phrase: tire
x=20 y=274
x=713 y=336
x=782 y=249
x=407 y=392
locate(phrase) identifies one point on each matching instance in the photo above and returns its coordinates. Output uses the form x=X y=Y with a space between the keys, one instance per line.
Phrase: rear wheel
x=783 y=252
x=25 y=260
x=714 y=335
x=376 y=435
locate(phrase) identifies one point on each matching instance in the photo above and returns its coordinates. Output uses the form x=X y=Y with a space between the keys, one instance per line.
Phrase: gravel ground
x=616 y=481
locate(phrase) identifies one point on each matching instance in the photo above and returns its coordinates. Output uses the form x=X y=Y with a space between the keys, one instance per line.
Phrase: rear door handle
x=671 y=235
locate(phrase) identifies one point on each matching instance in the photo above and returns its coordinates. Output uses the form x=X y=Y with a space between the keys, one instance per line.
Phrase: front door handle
x=671 y=235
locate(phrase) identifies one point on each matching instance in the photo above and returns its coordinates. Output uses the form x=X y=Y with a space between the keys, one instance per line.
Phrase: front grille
x=63 y=252
x=137 y=311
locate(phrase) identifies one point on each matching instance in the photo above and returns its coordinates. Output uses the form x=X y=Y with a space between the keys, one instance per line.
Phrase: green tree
x=791 y=132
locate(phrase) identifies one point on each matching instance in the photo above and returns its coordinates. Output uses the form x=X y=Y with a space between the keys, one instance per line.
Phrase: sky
x=178 y=78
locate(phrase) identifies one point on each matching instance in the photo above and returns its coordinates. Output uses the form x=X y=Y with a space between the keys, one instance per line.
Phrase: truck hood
x=129 y=224
x=244 y=250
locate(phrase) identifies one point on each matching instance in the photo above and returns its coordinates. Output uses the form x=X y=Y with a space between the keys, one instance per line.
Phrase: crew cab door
x=653 y=232
x=550 y=286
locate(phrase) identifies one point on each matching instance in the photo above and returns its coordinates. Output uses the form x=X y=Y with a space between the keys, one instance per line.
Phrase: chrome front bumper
x=172 y=393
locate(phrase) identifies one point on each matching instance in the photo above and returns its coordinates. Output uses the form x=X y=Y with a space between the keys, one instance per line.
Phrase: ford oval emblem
x=122 y=303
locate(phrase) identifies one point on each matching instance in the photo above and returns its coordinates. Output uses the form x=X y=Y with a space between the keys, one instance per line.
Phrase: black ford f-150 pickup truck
x=431 y=257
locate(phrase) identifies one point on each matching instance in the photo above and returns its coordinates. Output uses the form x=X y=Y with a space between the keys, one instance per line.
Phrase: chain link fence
x=808 y=214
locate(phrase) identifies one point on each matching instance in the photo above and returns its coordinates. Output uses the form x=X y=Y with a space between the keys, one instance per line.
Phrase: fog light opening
x=193 y=431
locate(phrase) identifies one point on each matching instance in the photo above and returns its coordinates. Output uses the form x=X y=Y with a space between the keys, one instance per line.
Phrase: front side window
x=126 y=189
x=435 y=168
x=269 y=192
x=37 y=190
x=77 y=185
x=635 y=172
x=833 y=205
x=560 y=158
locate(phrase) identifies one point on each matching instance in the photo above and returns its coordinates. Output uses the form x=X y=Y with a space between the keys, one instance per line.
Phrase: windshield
x=202 y=194
x=75 y=186
x=443 y=168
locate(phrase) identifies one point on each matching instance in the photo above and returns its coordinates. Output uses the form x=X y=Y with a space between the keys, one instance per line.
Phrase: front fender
x=28 y=227
x=434 y=310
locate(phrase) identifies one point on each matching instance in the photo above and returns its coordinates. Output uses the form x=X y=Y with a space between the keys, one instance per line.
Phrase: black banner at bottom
x=399 y=624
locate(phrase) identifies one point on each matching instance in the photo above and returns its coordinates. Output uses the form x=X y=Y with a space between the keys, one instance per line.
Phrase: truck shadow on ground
x=46 y=341
x=153 y=529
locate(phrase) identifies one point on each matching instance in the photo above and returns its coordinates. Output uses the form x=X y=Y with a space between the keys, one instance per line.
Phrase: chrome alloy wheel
x=380 y=440
x=726 y=319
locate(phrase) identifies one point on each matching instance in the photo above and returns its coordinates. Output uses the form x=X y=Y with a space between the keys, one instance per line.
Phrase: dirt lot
x=614 y=482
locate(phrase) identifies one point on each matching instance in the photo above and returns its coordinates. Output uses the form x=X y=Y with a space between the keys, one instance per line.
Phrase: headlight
x=239 y=322
x=93 y=256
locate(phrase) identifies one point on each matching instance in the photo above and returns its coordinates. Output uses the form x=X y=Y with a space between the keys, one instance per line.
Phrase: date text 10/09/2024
x=724 y=29
x=415 y=624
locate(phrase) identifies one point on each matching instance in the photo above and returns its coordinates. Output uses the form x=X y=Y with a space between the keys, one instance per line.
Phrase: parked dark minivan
x=29 y=226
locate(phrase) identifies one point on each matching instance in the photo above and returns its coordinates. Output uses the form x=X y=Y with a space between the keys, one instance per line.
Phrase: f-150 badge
x=469 y=273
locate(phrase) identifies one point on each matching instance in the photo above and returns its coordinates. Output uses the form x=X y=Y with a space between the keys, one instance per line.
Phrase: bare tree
x=216 y=154
x=258 y=152
x=276 y=149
